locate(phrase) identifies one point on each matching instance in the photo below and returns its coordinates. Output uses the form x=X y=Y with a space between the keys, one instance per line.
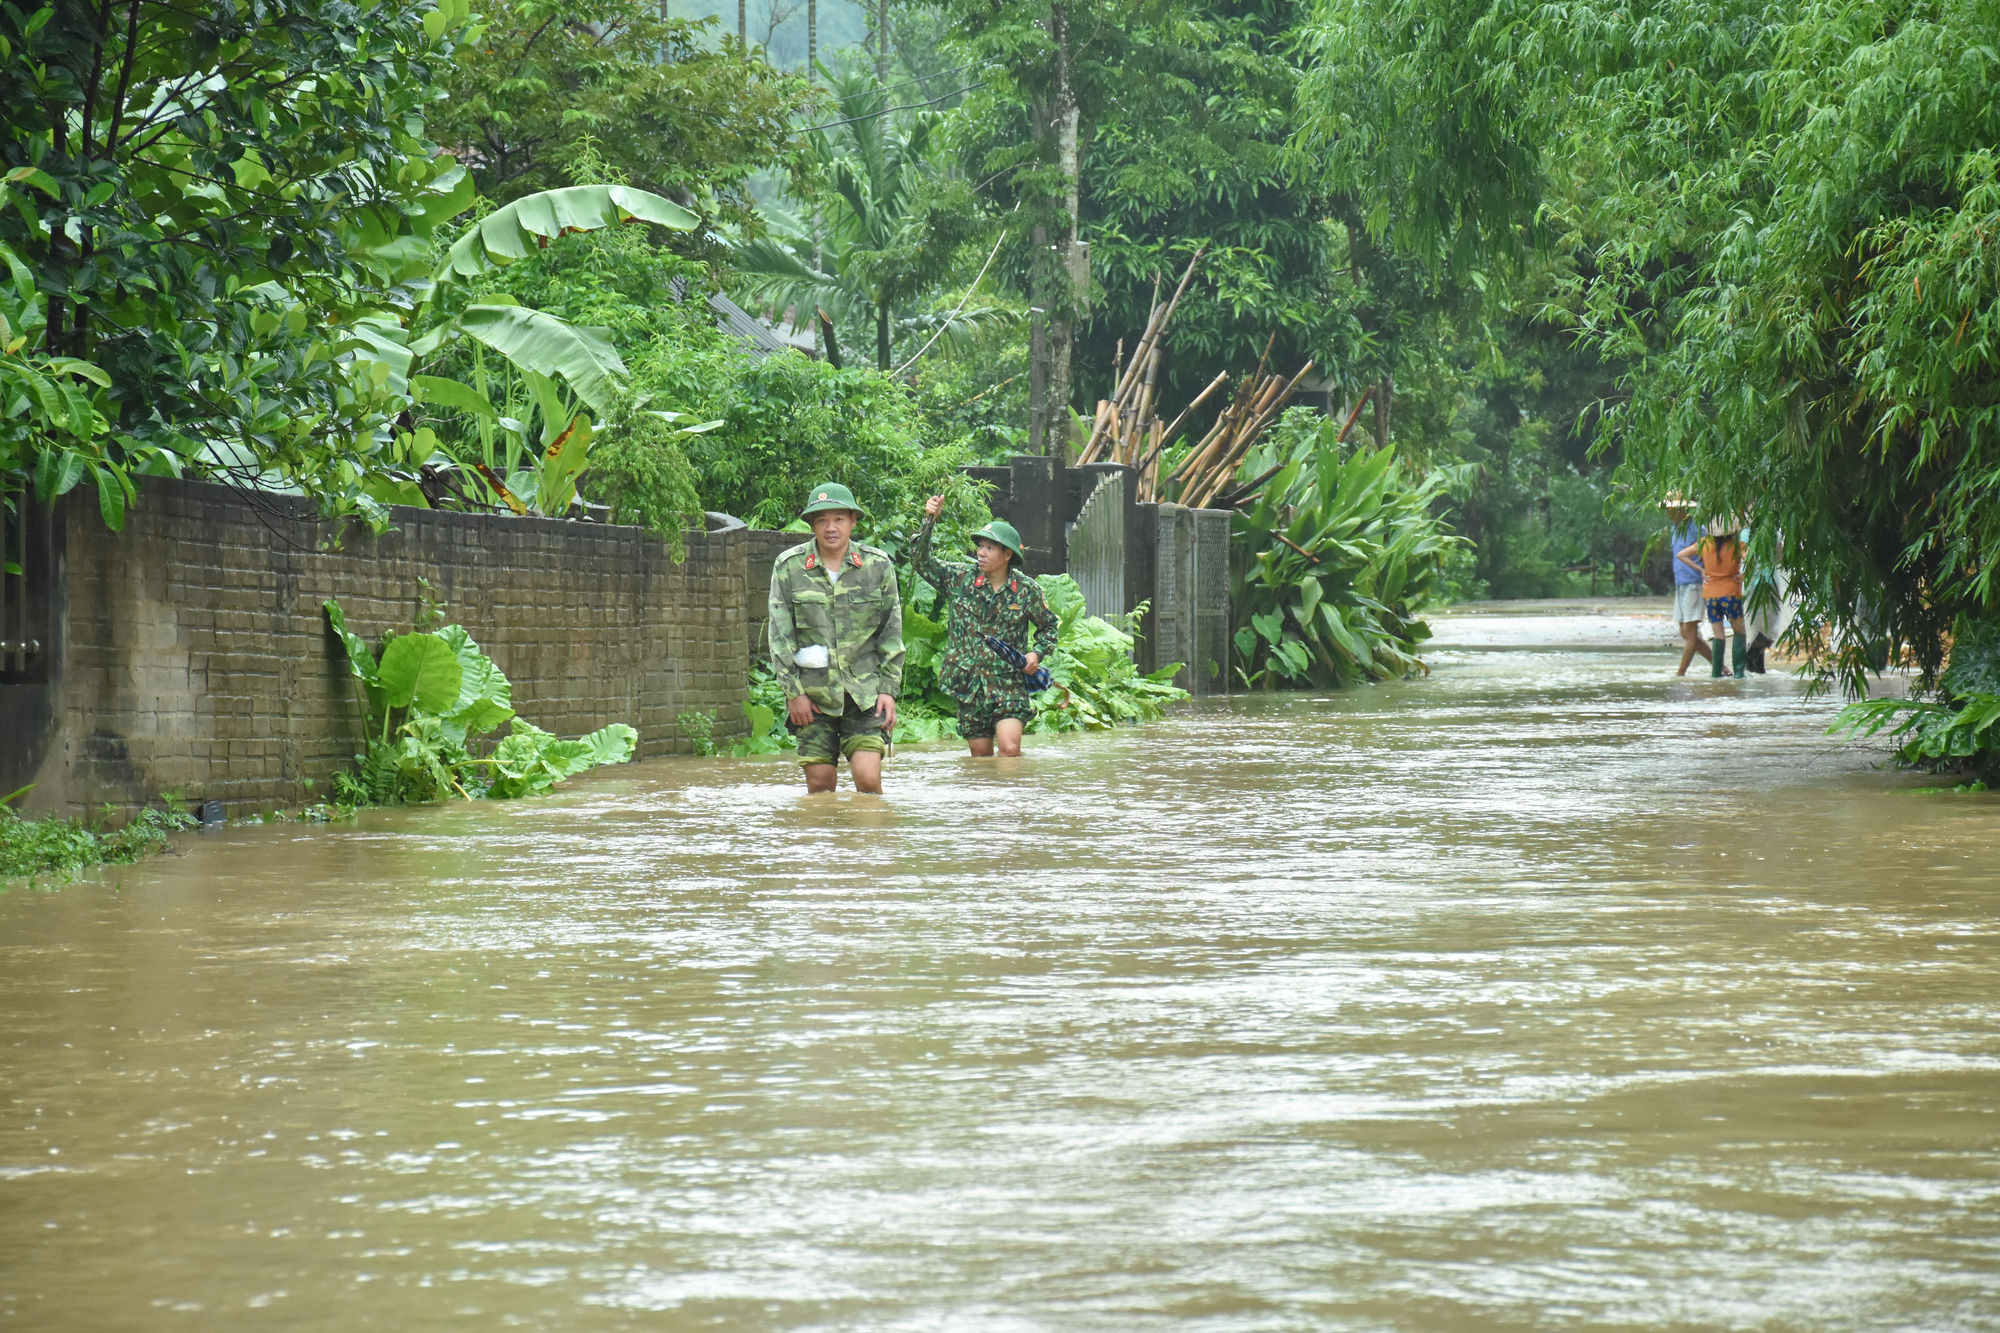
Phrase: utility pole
x=1038 y=368
x=743 y=23
x=1072 y=257
x=812 y=72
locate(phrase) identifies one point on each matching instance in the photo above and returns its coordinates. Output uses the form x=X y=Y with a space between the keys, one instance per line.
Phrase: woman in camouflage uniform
x=987 y=597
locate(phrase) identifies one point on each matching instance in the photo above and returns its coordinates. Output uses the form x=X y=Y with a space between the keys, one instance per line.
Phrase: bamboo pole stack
x=1205 y=473
x=1128 y=429
x=1127 y=424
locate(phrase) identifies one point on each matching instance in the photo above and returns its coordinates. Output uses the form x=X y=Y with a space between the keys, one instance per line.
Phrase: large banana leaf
x=534 y=340
x=509 y=233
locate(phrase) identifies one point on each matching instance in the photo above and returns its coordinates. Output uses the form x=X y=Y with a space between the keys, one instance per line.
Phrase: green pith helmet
x=829 y=495
x=1000 y=530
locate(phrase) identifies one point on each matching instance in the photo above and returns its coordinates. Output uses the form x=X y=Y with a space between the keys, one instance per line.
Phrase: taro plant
x=1096 y=684
x=1329 y=561
x=432 y=700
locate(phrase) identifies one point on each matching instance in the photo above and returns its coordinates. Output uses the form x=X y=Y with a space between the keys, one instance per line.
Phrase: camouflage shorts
x=828 y=737
x=977 y=721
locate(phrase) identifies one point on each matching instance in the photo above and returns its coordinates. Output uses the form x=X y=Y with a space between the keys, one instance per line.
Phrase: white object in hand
x=813 y=655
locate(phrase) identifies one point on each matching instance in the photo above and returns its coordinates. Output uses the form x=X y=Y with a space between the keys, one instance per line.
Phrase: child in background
x=1719 y=557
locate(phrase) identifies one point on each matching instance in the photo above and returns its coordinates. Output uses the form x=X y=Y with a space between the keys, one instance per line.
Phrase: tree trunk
x=882 y=337
x=812 y=39
x=743 y=23
x=882 y=42
x=1072 y=284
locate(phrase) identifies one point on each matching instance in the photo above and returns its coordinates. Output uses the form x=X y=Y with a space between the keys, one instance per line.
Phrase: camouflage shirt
x=858 y=619
x=970 y=671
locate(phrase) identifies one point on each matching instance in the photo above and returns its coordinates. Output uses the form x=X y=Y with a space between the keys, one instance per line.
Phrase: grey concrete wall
x=194 y=653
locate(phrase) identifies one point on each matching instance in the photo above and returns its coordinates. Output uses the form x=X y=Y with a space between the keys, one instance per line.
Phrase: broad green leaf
x=481 y=680
x=510 y=233
x=111 y=496
x=533 y=340
x=420 y=671
x=613 y=744
x=481 y=716
x=1309 y=595
x=359 y=659
x=41 y=180
x=57 y=471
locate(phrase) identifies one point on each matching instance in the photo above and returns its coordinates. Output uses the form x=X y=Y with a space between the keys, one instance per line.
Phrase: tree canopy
x=1780 y=220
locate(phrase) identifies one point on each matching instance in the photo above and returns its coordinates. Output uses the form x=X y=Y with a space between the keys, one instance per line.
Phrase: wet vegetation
x=55 y=850
x=432 y=703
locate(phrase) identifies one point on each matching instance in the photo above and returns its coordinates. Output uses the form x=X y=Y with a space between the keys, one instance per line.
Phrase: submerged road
x=1544 y=992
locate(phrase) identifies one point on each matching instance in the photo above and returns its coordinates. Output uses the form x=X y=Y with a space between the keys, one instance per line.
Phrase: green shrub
x=60 y=849
x=1331 y=563
x=429 y=699
x=1958 y=731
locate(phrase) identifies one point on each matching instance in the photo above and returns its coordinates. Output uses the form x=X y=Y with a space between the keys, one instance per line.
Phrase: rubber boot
x=1716 y=648
x=1739 y=654
x=1757 y=647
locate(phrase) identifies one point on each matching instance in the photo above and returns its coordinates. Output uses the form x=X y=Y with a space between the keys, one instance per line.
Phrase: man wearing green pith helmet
x=988 y=596
x=837 y=643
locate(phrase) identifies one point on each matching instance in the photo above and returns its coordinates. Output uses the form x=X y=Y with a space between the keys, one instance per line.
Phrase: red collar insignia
x=812 y=558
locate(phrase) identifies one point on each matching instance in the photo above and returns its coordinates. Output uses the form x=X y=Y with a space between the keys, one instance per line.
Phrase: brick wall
x=195 y=654
x=761 y=551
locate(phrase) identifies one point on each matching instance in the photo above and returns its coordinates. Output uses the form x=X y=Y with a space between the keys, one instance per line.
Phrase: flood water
x=1546 y=992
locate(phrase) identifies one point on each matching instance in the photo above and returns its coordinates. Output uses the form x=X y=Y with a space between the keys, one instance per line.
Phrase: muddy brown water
x=1541 y=993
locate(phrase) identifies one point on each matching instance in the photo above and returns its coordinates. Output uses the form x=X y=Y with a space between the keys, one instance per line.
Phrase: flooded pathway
x=1545 y=992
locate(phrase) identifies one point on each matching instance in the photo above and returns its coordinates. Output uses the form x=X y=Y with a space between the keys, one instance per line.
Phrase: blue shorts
x=1724 y=608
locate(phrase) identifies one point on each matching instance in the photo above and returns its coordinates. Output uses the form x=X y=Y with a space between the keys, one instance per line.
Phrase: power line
x=891 y=87
x=913 y=106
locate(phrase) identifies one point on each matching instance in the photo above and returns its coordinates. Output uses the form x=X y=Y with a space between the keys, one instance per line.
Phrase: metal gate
x=23 y=579
x=1097 y=549
x=1191 y=601
x=30 y=631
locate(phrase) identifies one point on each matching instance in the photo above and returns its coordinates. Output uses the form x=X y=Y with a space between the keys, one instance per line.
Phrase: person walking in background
x=837 y=643
x=1683 y=531
x=1719 y=557
x=987 y=597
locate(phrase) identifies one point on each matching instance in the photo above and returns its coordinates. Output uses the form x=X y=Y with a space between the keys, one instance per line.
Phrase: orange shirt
x=1721 y=567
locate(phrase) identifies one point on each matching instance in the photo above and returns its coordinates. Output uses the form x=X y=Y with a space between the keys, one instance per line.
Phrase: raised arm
x=923 y=556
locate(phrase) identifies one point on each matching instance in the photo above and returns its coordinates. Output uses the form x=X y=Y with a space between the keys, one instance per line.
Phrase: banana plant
x=1331 y=561
x=553 y=370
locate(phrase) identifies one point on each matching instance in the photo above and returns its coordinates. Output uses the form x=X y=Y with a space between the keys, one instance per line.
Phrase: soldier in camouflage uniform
x=987 y=597
x=837 y=643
